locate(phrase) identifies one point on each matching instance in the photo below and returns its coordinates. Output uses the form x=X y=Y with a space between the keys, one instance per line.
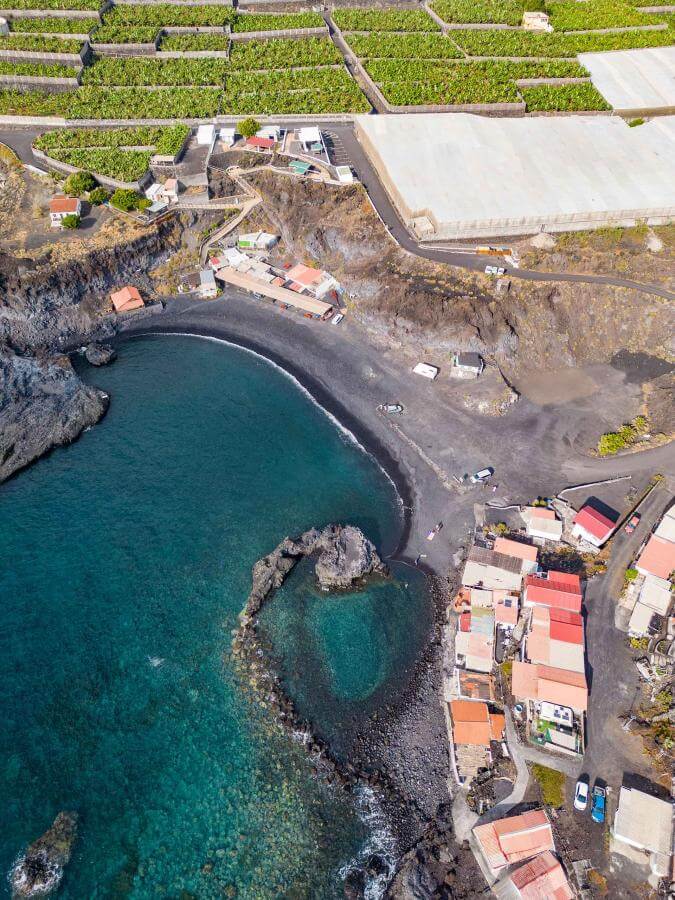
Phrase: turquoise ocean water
x=124 y=560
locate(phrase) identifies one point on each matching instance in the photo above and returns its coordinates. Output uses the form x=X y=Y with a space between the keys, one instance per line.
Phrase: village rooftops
x=657 y=558
x=531 y=681
x=656 y=594
x=261 y=143
x=474 y=724
x=542 y=523
x=126 y=299
x=475 y=685
x=526 y=553
x=666 y=527
x=492 y=570
x=542 y=878
x=515 y=838
x=313 y=279
x=646 y=823
x=557 y=589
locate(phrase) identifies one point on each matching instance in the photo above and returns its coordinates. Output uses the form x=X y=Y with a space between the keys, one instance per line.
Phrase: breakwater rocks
x=99 y=354
x=39 y=871
x=43 y=404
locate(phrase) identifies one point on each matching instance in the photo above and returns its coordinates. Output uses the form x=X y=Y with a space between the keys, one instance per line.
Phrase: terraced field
x=411 y=57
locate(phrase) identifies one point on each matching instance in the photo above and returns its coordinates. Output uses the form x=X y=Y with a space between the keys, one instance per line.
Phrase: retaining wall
x=192 y=54
x=319 y=31
x=25 y=56
x=39 y=82
x=127 y=49
x=51 y=13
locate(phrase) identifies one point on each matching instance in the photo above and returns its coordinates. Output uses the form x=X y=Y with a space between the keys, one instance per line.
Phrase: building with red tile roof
x=537 y=682
x=260 y=143
x=558 y=590
x=514 y=839
x=657 y=558
x=542 y=878
x=473 y=723
x=60 y=207
x=127 y=298
x=526 y=553
x=591 y=525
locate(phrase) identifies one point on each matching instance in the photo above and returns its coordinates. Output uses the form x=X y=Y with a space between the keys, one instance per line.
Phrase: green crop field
x=124 y=34
x=284 y=53
x=593 y=14
x=166 y=140
x=39 y=43
x=155 y=72
x=272 y=22
x=507 y=12
x=403 y=46
x=41 y=70
x=206 y=41
x=563 y=97
x=122 y=165
x=52 y=25
x=90 y=5
x=167 y=14
x=527 y=43
x=384 y=20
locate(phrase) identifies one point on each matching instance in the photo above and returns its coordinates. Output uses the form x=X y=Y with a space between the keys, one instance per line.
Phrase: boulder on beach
x=99 y=354
x=39 y=871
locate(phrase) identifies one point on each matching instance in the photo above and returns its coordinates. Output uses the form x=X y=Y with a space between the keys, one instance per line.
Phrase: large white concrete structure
x=635 y=82
x=474 y=176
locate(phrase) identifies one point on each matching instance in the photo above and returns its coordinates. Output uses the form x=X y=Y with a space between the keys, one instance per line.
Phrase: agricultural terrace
x=120 y=153
x=496 y=65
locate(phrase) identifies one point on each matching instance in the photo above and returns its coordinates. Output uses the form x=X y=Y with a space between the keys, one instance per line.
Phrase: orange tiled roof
x=497 y=725
x=515 y=838
x=64 y=205
x=126 y=298
x=542 y=878
x=515 y=548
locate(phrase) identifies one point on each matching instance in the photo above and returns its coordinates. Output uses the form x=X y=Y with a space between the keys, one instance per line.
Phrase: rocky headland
x=39 y=871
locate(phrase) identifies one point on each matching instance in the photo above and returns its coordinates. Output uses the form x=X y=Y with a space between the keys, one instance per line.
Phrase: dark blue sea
x=124 y=560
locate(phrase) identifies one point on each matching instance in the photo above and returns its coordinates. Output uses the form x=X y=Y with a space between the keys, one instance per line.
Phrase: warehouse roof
x=658 y=558
x=644 y=821
x=634 y=80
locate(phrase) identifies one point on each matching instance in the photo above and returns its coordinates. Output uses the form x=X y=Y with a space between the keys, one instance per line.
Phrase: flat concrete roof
x=644 y=821
x=480 y=176
x=639 y=81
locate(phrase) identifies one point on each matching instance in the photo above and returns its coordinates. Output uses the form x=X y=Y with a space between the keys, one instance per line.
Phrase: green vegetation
x=248 y=127
x=639 y=643
x=79 y=183
x=566 y=97
x=592 y=14
x=384 y=20
x=98 y=196
x=162 y=14
x=635 y=122
x=289 y=91
x=207 y=41
x=284 y=53
x=630 y=575
x=41 y=70
x=551 y=784
x=166 y=140
x=32 y=42
x=72 y=220
x=122 y=165
x=120 y=34
x=403 y=46
x=664 y=700
x=148 y=71
x=272 y=22
x=614 y=441
x=53 y=25
x=56 y=4
x=529 y=43
x=118 y=103
x=128 y=200
x=507 y=12
x=462 y=89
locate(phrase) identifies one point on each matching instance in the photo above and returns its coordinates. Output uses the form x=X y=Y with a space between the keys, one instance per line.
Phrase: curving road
x=20 y=140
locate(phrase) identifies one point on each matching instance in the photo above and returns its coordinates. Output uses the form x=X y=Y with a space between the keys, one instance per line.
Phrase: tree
x=248 y=127
x=79 y=183
x=125 y=199
x=98 y=195
x=72 y=220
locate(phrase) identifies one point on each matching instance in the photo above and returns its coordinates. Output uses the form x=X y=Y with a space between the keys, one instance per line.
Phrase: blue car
x=598 y=807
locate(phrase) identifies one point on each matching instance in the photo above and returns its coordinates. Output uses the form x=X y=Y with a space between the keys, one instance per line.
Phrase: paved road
x=612 y=674
x=20 y=140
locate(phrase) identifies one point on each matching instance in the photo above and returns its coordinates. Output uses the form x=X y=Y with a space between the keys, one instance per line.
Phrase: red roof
x=563 y=631
x=126 y=299
x=594 y=522
x=542 y=878
x=262 y=142
x=515 y=838
x=465 y=621
x=564 y=615
x=658 y=557
x=557 y=594
x=64 y=205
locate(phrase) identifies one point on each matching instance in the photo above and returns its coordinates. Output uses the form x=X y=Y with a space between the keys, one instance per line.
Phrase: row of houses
x=655 y=566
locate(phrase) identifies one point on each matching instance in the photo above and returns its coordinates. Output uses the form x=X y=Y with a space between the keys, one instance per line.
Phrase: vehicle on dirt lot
x=598 y=805
x=395 y=408
x=632 y=523
x=337 y=318
x=483 y=475
x=434 y=531
x=581 y=795
x=500 y=271
x=491 y=270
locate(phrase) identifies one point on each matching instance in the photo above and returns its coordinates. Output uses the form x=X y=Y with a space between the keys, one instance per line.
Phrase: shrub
x=79 y=183
x=126 y=199
x=613 y=441
x=631 y=575
x=639 y=643
x=98 y=196
x=248 y=127
x=551 y=784
x=72 y=220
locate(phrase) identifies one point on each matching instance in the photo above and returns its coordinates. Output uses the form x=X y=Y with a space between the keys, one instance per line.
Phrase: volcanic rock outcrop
x=39 y=871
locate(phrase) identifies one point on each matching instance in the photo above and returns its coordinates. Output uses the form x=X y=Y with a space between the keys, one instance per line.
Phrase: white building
x=163 y=193
x=206 y=135
x=271 y=132
x=643 y=830
x=60 y=207
x=344 y=174
x=541 y=524
x=311 y=140
x=227 y=136
x=257 y=240
x=207 y=284
x=467 y=365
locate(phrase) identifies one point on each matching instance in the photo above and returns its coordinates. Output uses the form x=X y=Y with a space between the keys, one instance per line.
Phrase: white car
x=483 y=475
x=581 y=795
x=491 y=270
x=337 y=318
x=501 y=271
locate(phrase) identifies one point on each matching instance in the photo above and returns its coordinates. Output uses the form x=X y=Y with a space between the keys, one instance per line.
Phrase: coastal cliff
x=43 y=404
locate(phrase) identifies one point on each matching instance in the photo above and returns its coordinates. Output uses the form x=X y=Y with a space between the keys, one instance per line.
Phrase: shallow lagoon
x=125 y=560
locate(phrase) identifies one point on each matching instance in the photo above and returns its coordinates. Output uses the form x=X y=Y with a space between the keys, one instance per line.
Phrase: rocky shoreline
x=38 y=873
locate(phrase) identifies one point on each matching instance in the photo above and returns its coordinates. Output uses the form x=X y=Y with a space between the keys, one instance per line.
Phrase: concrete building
x=591 y=525
x=227 y=136
x=206 y=135
x=163 y=193
x=555 y=173
x=474 y=728
x=467 y=365
x=514 y=839
x=526 y=553
x=208 y=288
x=643 y=830
x=126 y=299
x=492 y=570
x=60 y=207
x=257 y=240
x=635 y=82
x=541 y=524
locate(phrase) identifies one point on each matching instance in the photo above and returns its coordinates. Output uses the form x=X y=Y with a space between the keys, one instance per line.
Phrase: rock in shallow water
x=39 y=872
x=99 y=354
